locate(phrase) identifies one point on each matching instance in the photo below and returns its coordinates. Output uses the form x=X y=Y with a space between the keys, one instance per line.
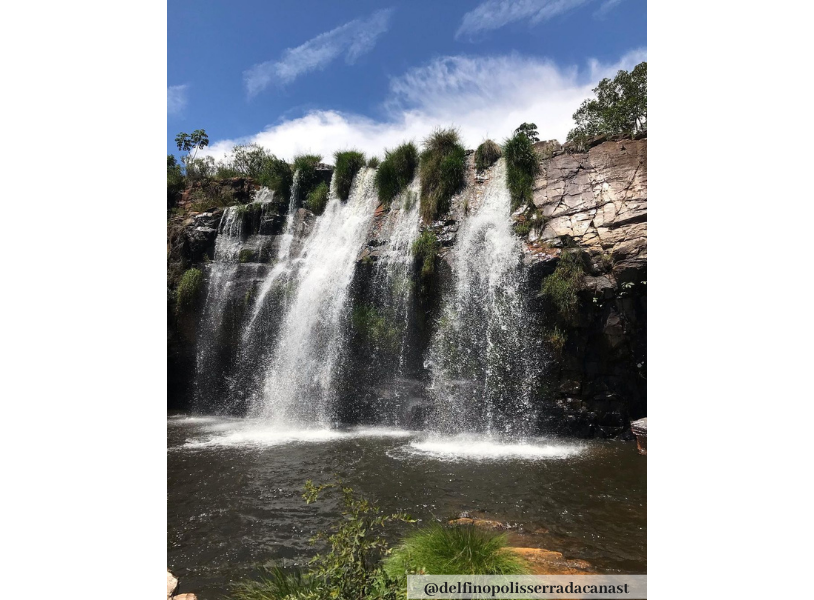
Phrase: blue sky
x=324 y=76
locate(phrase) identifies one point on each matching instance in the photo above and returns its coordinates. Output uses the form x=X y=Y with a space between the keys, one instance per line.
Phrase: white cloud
x=494 y=14
x=607 y=6
x=176 y=99
x=482 y=96
x=352 y=39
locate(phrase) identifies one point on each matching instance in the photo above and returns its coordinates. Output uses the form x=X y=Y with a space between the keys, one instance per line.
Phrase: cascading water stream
x=220 y=277
x=298 y=382
x=393 y=272
x=482 y=357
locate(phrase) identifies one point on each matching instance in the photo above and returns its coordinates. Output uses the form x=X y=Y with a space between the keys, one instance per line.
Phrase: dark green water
x=234 y=493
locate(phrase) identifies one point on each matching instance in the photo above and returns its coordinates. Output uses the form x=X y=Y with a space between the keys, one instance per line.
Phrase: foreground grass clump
x=317 y=199
x=189 y=289
x=487 y=154
x=277 y=584
x=396 y=172
x=443 y=167
x=347 y=165
x=522 y=166
x=307 y=164
x=562 y=287
x=439 y=550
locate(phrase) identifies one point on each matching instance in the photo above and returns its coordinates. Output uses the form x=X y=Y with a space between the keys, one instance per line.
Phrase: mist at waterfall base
x=322 y=354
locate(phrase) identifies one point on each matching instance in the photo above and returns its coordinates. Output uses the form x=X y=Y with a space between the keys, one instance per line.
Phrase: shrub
x=189 y=289
x=373 y=162
x=443 y=166
x=347 y=165
x=425 y=250
x=439 y=550
x=306 y=164
x=529 y=130
x=317 y=199
x=350 y=568
x=561 y=288
x=522 y=228
x=199 y=169
x=396 y=172
x=620 y=107
x=487 y=154
x=175 y=180
x=556 y=339
x=522 y=166
x=278 y=177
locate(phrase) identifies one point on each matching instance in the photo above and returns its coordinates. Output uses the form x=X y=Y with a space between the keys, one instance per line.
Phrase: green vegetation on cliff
x=307 y=164
x=425 y=250
x=347 y=165
x=396 y=171
x=375 y=328
x=562 y=287
x=373 y=162
x=619 y=108
x=443 y=167
x=189 y=289
x=522 y=166
x=487 y=154
x=317 y=199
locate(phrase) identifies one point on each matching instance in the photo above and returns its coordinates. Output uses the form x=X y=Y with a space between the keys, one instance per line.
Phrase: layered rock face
x=597 y=201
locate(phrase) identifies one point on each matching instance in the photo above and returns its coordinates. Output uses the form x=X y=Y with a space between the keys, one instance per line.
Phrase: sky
x=320 y=77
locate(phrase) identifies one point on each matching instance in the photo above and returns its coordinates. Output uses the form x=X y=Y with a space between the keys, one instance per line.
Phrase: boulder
x=172 y=584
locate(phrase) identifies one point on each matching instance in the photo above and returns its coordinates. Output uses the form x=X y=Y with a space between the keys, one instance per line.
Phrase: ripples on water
x=234 y=491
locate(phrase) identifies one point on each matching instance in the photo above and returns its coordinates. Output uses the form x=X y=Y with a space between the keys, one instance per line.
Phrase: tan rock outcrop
x=599 y=199
x=548 y=562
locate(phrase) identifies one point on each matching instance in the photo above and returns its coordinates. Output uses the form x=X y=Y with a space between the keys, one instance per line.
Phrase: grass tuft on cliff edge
x=522 y=166
x=487 y=154
x=306 y=164
x=317 y=199
x=348 y=164
x=443 y=167
x=396 y=171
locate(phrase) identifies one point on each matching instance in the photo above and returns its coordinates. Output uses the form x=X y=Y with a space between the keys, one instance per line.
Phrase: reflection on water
x=234 y=492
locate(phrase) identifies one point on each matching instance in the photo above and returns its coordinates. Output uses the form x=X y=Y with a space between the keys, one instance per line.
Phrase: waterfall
x=383 y=360
x=482 y=357
x=297 y=386
x=221 y=273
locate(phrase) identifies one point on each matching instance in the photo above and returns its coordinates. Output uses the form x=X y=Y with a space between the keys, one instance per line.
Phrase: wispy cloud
x=176 y=99
x=494 y=14
x=482 y=96
x=352 y=39
x=607 y=6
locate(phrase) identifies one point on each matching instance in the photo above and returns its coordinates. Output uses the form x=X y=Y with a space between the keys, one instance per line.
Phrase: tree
x=187 y=142
x=620 y=107
x=530 y=131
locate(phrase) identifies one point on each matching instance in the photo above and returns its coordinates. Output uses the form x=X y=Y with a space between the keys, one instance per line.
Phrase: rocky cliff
x=592 y=203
